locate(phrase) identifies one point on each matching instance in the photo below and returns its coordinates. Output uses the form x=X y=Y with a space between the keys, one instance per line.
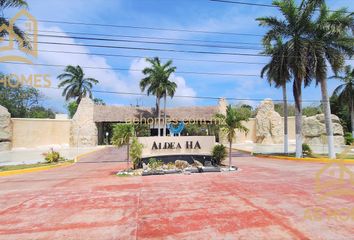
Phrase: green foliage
x=136 y=150
x=122 y=133
x=76 y=86
x=142 y=130
x=154 y=164
x=342 y=111
x=23 y=102
x=310 y=111
x=348 y=138
x=99 y=101
x=279 y=108
x=306 y=150
x=53 y=157
x=72 y=108
x=40 y=112
x=219 y=153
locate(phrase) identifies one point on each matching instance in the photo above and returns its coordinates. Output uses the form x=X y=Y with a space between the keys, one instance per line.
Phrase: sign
x=169 y=146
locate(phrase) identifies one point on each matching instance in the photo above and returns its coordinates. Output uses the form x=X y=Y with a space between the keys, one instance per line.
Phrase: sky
x=122 y=74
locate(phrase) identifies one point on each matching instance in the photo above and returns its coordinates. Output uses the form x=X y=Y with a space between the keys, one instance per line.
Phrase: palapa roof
x=124 y=113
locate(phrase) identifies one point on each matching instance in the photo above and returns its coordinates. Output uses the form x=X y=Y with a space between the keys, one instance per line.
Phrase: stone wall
x=5 y=129
x=84 y=132
x=36 y=133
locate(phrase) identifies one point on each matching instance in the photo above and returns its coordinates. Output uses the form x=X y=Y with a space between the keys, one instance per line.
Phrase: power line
x=156 y=49
x=139 y=70
x=146 y=28
x=152 y=38
x=260 y=4
x=193 y=97
x=166 y=58
x=150 y=42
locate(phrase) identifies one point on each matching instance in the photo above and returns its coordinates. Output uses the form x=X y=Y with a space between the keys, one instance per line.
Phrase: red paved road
x=267 y=199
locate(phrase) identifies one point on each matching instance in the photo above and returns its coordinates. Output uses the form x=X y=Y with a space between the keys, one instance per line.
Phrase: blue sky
x=201 y=15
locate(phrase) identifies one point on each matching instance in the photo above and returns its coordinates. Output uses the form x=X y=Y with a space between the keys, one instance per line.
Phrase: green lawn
x=24 y=166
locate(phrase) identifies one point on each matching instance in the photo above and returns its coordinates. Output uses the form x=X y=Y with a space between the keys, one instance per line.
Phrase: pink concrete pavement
x=267 y=199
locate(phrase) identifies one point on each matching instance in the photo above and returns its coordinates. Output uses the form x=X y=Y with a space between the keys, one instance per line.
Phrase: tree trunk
x=328 y=119
x=298 y=118
x=128 y=149
x=286 y=137
x=159 y=117
x=164 y=116
x=352 y=116
x=230 y=150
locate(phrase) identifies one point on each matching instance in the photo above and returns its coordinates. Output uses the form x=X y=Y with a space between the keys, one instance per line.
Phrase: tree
x=4 y=4
x=122 y=134
x=232 y=121
x=169 y=89
x=345 y=92
x=295 y=28
x=331 y=42
x=278 y=73
x=19 y=100
x=75 y=83
x=156 y=82
x=72 y=108
x=40 y=112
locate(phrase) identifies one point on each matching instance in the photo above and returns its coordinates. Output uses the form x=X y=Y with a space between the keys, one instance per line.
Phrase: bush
x=136 y=150
x=348 y=138
x=154 y=163
x=53 y=157
x=306 y=150
x=219 y=153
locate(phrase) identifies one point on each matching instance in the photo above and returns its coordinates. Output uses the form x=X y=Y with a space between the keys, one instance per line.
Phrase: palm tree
x=75 y=83
x=157 y=83
x=295 y=28
x=169 y=90
x=278 y=73
x=4 y=4
x=345 y=91
x=331 y=43
x=122 y=134
x=232 y=121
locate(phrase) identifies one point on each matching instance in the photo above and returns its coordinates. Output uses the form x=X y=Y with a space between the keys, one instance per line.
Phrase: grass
x=25 y=166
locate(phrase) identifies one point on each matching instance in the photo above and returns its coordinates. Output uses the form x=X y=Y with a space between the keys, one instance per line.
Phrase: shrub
x=306 y=150
x=136 y=150
x=53 y=157
x=219 y=153
x=154 y=163
x=348 y=138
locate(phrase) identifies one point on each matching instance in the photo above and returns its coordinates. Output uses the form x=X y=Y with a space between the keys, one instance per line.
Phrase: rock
x=314 y=130
x=197 y=164
x=269 y=124
x=5 y=129
x=180 y=164
x=84 y=131
x=5 y=146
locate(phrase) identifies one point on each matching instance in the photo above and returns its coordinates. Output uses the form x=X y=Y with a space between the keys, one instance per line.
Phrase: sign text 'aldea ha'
x=173 y=145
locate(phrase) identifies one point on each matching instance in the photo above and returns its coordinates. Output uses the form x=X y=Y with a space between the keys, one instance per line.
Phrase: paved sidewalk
x=267 y=199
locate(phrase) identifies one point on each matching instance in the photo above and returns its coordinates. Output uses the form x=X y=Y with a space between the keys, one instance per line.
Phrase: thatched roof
x=124 y=114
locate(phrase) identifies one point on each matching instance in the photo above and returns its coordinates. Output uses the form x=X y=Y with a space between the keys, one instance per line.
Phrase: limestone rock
x=314 y=130
x=180 y=164
x=5 y=129
x=269 y=124
x=84 y=132
x=197 y=164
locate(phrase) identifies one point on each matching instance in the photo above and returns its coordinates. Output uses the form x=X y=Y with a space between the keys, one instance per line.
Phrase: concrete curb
x=314 y=160
x=44 y=168
x=35 y=169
